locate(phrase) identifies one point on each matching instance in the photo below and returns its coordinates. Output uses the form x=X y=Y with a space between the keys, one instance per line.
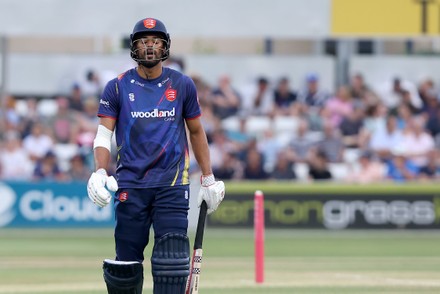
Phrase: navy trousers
x=166 y=208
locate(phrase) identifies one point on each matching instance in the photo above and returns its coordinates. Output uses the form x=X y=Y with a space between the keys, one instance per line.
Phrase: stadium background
x=49 y=47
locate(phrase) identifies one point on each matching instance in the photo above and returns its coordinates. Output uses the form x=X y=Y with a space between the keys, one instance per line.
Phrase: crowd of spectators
x=354 y=135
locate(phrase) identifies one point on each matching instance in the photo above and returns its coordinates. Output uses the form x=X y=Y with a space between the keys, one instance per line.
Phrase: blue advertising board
x=50 y=204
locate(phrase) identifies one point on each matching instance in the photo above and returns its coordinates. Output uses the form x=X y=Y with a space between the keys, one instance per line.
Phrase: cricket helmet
x=149 y=26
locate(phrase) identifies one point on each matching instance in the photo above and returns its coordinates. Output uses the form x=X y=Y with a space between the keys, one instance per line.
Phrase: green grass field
x=297 y=261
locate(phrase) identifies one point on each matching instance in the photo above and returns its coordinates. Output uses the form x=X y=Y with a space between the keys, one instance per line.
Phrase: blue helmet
x=148 y=26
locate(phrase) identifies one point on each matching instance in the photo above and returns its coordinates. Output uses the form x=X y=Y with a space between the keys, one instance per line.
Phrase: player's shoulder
x=125 y=75
x=175 y=74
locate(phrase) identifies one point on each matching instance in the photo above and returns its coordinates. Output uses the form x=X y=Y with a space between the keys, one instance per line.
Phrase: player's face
x=150 y=50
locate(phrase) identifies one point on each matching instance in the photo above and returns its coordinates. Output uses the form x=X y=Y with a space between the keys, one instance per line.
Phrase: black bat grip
x=201 y=225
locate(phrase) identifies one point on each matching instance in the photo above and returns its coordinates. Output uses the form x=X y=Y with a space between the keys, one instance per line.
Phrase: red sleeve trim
x=190 y=118
x=102 y=115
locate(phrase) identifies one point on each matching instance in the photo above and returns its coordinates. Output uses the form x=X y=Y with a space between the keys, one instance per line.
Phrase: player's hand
x=212 y=192
x=96 y=187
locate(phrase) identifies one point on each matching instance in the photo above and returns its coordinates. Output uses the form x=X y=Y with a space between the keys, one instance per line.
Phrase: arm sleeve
x=191 y=106
x=109 y=102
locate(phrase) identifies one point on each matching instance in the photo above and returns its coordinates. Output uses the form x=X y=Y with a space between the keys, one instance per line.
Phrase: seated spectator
x=359 y=89
x=64 y=126
x=285 y=98
x=332 y=144
x=225 y=99
x=254 y=166
x=230 y=168
x=431 y=171
x=351 y=128
x=301 y=145
x=384 y=138
x=283 y=169
x=339 y=107
x=318 y=167
x=312 y=95
x=37 y=143
x=400 y=168
x=78 y=171
x=257 y=99
x=370 y=170
x=88 y=123
x=47 y=169
x=14 y=159
x=417 y=141
x=76 y=98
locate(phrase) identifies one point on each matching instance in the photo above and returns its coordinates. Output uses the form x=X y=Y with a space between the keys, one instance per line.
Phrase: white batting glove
x=212 y=192
x=96 y=187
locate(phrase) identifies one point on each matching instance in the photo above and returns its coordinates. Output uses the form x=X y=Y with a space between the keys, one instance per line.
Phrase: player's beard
x=151 y=62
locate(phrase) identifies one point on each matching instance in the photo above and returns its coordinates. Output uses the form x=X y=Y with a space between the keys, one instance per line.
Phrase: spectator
x=433 y=123
x=285 y=98
x=91 y=86
x=11 y=117
x=14 y=160
x=318 y=167
x=64 y=124
x=385 y=138
x=283 y=169
x=431 y=171
x=76 y=98
x=258 y=99
x=417 y=142
x=254 y=166
x=220 y=146
x=370 y=170
x=78 y=170
x=332 y=144
x=392 y=92
x=359 y=90
x=230 y=168
x=400 y=168
x=311 y=101
x=88 y=123
x=30 y=117
x=339 y=107
x=225 y=99
x=47 y=169
x=351 y=128
x=312 y=95
x=37 y=144
x=301 y=145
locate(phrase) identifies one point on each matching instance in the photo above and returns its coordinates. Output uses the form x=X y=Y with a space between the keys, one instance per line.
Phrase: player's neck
x=150 y=73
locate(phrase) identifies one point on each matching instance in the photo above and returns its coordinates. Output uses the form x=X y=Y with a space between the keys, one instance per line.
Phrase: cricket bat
x=196 y=264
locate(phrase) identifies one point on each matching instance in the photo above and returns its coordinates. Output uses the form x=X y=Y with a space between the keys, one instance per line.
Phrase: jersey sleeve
x=109 y=102
x=191 y=107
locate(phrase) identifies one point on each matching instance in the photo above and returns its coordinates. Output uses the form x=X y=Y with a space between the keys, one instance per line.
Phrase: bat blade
x=196 y=264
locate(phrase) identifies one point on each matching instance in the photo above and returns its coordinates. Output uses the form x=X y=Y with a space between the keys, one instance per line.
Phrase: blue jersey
x=150 y=131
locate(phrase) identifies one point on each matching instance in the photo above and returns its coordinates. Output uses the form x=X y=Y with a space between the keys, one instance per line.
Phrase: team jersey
x=152 y=145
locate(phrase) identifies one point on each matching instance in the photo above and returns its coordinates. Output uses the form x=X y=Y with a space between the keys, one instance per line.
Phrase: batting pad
x=123 y=277
x=170 y=263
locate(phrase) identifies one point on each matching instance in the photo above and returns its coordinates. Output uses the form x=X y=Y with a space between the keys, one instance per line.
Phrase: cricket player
x=147 y=108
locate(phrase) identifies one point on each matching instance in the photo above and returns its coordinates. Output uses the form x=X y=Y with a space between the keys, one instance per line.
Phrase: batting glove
x=96 y=187
x=212 y=192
